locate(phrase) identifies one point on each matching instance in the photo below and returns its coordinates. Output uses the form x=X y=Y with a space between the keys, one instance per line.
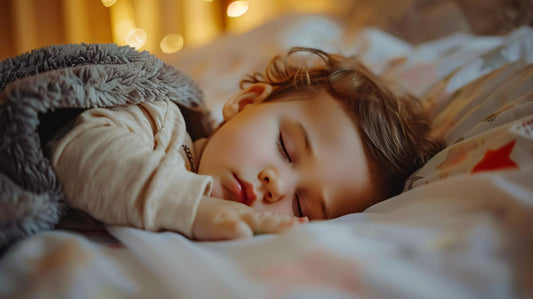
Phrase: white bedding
x=461 y=229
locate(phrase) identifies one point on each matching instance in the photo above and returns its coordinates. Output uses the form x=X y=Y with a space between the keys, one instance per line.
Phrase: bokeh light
x=237 y=8
x=108 y=3
x=171 y=43
x=136 y=38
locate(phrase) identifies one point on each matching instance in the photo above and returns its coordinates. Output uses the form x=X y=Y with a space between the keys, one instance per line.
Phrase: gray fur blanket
x=42 y=89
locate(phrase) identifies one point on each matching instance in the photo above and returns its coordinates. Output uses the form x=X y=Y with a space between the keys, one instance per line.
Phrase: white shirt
x=132 y=165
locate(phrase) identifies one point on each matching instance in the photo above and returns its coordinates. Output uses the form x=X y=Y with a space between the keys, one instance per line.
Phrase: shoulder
x=156 y=115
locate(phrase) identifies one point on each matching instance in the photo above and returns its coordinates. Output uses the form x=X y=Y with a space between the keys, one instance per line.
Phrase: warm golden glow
x=24 y=13
x=122 y=20
x=76 y=20
x=146 y=17
x=108 y=3
x=104 y=21
x=122 y=29
x=237 y=8
x=199 y=18
x=136 y=38
x=171 y=43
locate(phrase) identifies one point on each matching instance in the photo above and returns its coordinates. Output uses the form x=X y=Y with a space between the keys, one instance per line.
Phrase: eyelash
x=297 y=207
x=283 y=150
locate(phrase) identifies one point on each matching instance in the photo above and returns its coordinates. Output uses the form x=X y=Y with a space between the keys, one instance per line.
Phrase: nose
x=272 y=185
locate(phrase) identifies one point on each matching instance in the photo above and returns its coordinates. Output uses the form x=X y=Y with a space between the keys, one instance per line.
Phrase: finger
x=265 y=222
x=234 y=229
x=222 y=229
x=303 y=219
x=226 y=229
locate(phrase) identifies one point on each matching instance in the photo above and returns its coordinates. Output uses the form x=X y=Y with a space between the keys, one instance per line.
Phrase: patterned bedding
x=461 y=228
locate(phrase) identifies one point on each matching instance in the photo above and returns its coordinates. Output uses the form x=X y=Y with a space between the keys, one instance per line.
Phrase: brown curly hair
x=394 y=129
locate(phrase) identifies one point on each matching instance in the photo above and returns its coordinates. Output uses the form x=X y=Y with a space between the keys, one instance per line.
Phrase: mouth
x=244 y=191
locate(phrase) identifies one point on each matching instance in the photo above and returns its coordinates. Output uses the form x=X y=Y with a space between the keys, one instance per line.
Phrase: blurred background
x=166 y=26
x=159 y=26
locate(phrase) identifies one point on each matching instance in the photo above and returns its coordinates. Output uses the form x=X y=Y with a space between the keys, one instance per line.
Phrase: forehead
x=339 y=169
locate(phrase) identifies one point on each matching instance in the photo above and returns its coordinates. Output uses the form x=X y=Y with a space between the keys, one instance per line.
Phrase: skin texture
x=297 y=156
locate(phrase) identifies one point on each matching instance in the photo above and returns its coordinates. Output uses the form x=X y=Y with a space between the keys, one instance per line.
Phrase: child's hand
x=218 y=219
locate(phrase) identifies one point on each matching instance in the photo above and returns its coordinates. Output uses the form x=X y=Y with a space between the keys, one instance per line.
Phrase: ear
x=253 y=94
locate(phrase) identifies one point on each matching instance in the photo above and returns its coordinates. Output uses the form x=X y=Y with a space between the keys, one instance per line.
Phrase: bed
x=462 y=228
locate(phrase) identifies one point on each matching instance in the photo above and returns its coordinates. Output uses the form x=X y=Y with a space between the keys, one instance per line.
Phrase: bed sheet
x=461 y=228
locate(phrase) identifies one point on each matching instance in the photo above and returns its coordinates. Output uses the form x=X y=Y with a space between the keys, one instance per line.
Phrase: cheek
x=234 y=145
x=249 y=141
x=238 y=144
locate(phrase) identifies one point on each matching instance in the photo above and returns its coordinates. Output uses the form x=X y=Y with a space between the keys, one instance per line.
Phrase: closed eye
x=283 y=150
x=297 y=207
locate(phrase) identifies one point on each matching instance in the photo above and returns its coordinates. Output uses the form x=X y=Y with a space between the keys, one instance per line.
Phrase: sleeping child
x=305 y=140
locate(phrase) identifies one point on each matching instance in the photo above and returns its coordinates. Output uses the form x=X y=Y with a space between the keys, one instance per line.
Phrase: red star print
x=496 y=159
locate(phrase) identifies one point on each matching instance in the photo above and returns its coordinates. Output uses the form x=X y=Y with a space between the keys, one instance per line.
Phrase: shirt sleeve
x=122 y=166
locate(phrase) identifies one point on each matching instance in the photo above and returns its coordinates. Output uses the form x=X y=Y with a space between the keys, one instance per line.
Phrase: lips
x=244 y=191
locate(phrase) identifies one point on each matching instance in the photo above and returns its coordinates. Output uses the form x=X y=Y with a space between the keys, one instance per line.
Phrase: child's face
x=300 y=156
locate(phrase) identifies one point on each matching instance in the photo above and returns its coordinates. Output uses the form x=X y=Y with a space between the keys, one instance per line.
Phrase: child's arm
x=122 y=166
x=218 y=219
